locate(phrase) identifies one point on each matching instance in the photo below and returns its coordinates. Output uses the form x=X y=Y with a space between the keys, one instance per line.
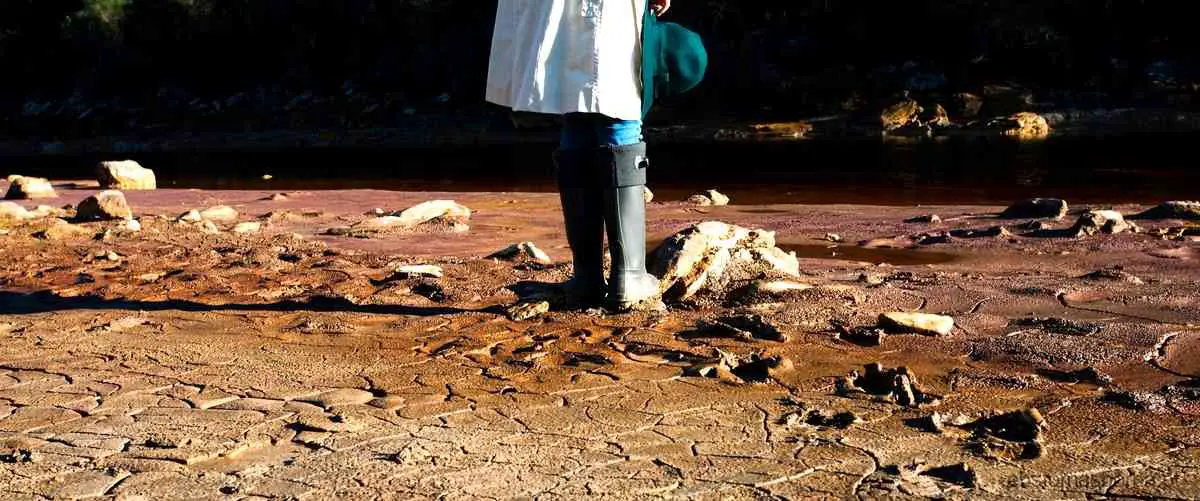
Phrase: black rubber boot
x=583 y=218
x=629 y=285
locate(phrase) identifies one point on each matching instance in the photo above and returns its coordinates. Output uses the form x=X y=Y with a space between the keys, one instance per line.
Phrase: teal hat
x=673 y=60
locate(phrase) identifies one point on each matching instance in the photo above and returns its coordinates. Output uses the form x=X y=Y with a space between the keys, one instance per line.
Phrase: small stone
x=246 y=227
x=864 y=336
x=106 y=205
x=150 y=278
x=278 y=197
x=904 y=391
x=220 y=214
x=132 y=225
x=524 y=251
x=1036 y=208
x=917 y=323
x=833 y=237
x=209 y=227
x=709 y=197
x=528 y=311
x=1015 y=426
x=841 y=420
x=191 y=216
x=28 y=188
x=125 y=175
x=418 y=270
x=648 y=195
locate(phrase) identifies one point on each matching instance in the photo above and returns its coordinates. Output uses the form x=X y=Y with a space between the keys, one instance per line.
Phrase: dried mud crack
x=285 y=363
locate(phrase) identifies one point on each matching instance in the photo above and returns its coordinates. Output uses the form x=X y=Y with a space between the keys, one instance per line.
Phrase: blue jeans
x=593 y=130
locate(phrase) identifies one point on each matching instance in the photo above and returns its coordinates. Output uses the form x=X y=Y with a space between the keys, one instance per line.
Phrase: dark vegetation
x=85 y=67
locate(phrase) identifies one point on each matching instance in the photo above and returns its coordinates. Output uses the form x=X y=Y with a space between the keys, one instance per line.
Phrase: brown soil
x=275 y=365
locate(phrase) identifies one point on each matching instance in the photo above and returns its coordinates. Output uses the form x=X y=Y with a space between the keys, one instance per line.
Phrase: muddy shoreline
x=289 y=362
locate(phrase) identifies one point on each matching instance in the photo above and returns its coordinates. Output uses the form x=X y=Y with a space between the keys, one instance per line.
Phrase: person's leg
x=623 y=163
x=582 y=206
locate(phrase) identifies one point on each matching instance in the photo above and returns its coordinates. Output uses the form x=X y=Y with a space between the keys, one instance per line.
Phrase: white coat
x=563 y=56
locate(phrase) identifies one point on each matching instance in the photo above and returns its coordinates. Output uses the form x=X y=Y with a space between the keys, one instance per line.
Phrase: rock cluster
x=897 y=385
x=710 y=256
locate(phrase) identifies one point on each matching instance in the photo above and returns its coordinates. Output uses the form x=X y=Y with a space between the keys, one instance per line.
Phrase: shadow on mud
x=15 y=303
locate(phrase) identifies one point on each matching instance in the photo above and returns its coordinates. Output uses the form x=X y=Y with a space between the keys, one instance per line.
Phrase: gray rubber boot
x=629 y=285
x=583 y=218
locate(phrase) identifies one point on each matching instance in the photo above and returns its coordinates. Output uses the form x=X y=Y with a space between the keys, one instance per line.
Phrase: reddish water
x=952 y=172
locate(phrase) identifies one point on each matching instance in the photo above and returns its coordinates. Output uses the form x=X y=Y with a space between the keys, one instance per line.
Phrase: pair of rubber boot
x=603 y=191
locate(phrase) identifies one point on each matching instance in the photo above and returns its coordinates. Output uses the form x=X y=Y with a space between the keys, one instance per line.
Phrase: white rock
x=247 y=227
x=1102 y=221
x=12 y=212
x=29 y=188
x=108 y=204
x=648 y=195
x=525 y=251
x=220 y=214
x=434 y=209
x=192 y=216
x=125 y=175
x=45 y=211
x=419 y=270
x=917 y=323
x=707 y=256
x=133 y=225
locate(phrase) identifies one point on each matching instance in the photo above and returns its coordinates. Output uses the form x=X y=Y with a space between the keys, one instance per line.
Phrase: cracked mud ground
x=188 y=365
